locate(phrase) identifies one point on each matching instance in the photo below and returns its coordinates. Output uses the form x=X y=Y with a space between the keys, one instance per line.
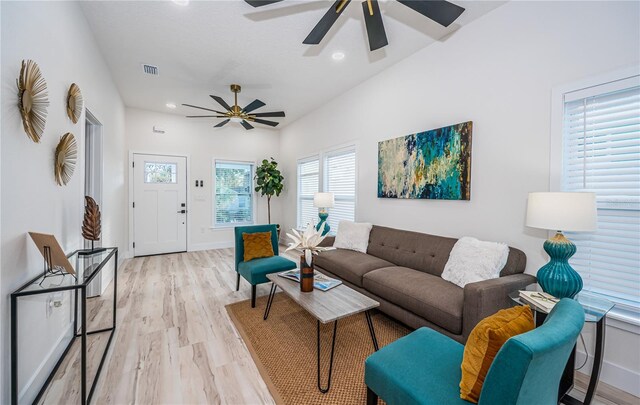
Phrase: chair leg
x=253 y=296
x=238 y=283
x=372 y=397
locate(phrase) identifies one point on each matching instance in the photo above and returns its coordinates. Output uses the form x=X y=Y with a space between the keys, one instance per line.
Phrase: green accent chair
x=424 y=366
x=255 y=271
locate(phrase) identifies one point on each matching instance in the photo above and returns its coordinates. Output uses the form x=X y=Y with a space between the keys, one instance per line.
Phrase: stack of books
x=320 y=281
x=540 y=300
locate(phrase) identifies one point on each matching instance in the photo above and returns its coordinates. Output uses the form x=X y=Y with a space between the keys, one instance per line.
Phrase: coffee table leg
x=333 y=346
x=270 y=300
x=367 y=314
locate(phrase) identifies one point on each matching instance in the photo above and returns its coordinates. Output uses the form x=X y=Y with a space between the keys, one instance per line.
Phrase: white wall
x=55 y=35
x=499 y=73
x=198 y=139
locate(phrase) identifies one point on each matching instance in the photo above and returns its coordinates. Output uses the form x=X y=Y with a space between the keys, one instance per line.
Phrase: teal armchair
x=424 y=366
x=255 y=271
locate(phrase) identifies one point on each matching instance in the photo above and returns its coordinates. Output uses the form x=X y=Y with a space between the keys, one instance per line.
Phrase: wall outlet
x=54 y=301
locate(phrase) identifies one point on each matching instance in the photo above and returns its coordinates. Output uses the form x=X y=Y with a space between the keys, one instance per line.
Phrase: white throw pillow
x=473 y=260
x=353 y=236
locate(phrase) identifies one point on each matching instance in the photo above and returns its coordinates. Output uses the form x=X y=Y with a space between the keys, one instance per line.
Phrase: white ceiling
x=203 y=47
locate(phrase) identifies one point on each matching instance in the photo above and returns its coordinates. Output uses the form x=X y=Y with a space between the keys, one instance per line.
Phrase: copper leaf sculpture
x=91 y=225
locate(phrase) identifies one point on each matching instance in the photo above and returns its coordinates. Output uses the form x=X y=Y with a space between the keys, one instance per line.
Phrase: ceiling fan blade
x=221 y=102
x=375 y=26
x=206 y=116
x=265 y=122
x=202 y=108
x=254 y=105
x=222 y=123
x=260 y=3
x=326 y=22
x=269 y=114
x=246 y=125
x=440 y=11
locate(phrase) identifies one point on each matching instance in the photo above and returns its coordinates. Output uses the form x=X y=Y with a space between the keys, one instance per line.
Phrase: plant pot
x=306 y=276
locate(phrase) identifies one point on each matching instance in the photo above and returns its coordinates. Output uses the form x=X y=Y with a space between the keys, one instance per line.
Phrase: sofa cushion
x=434 y=299
x=424 y=252
x=419 y=251
x=348 y=264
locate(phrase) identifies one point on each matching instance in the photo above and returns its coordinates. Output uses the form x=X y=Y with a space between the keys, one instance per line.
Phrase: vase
x=306 y=275
x=557 y=277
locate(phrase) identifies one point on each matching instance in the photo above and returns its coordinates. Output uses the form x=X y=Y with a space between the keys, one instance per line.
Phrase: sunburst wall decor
x=65 y=158
x=32 y=99
x=74 y=103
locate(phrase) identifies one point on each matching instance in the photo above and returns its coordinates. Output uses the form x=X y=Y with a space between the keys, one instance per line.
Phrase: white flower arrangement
x=308 y=242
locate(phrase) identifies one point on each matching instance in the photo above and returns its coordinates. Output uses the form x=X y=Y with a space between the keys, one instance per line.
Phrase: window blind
x=233 y=193
x=340 y=179
x=601 y=154
x=308 y=185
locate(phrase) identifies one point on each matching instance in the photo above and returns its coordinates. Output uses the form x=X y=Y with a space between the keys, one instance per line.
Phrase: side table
x=595 y=311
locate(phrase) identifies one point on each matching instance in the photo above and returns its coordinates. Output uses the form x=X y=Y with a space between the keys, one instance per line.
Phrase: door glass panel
x=155 y=172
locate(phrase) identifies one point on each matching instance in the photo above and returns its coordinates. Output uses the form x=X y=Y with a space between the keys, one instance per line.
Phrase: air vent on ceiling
x=151 y=70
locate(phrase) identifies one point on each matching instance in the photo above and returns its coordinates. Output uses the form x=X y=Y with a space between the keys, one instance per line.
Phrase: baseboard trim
x=210 y=245
x=612 y=374
x=31 y=389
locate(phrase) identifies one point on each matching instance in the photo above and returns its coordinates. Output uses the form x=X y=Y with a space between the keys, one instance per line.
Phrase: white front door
x=159 y=204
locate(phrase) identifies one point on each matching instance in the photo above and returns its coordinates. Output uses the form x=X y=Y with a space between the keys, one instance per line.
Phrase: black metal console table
x=87 y=267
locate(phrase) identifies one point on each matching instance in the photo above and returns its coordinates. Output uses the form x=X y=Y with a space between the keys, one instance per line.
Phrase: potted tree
x=269 y=183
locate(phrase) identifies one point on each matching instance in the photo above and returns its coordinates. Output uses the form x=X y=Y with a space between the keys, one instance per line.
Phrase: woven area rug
x=284 y=349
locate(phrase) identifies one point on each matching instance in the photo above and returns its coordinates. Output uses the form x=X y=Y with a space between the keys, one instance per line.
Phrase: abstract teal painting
x=434 y=164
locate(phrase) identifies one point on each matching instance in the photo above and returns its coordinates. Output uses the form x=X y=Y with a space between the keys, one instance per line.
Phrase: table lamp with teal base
x=574 y=212
x=323 y=201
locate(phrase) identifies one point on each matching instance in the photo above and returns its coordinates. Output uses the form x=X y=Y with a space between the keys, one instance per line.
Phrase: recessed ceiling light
x=181 y=2
x=171 y=105
x=337 y=55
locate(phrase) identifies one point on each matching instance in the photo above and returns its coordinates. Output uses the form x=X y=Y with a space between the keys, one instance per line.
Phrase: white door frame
x=130 y=199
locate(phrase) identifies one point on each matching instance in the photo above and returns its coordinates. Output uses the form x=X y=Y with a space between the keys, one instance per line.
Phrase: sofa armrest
x=328 y=241
x=487 y=297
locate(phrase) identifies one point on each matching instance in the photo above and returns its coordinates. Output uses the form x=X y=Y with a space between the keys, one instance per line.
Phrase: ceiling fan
x=440 y=11
x=237 y=114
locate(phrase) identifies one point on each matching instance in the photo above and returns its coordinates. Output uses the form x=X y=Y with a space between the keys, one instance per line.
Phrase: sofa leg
x=372 y=397
x=238 y=283
x=253 y=296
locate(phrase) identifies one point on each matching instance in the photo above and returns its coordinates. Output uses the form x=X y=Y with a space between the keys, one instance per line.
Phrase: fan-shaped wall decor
x=65 y=159
x=74 y=103
x=32 y=99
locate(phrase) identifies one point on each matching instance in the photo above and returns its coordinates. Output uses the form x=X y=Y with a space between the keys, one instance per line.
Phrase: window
x=340 y=179
x=160 y=172
x=233 y=200
x=308 y=184
x=601 y=154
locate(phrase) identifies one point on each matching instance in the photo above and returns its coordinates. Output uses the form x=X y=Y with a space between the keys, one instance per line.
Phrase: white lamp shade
x=572 y=212
x=323 y=200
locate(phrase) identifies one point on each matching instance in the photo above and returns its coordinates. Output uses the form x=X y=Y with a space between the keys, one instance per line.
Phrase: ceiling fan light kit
x=237 y=114
x=440 y=11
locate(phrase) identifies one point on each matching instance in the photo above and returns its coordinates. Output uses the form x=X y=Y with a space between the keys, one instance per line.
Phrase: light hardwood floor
x=174 y=342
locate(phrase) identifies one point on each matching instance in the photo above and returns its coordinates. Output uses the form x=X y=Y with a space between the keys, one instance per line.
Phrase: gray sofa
x=402 y=269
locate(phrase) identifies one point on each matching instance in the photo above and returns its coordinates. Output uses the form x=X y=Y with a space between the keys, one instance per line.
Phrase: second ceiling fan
x=440 y=11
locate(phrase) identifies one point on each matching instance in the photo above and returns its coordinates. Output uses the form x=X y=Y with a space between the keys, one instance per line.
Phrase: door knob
x=182 y=212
